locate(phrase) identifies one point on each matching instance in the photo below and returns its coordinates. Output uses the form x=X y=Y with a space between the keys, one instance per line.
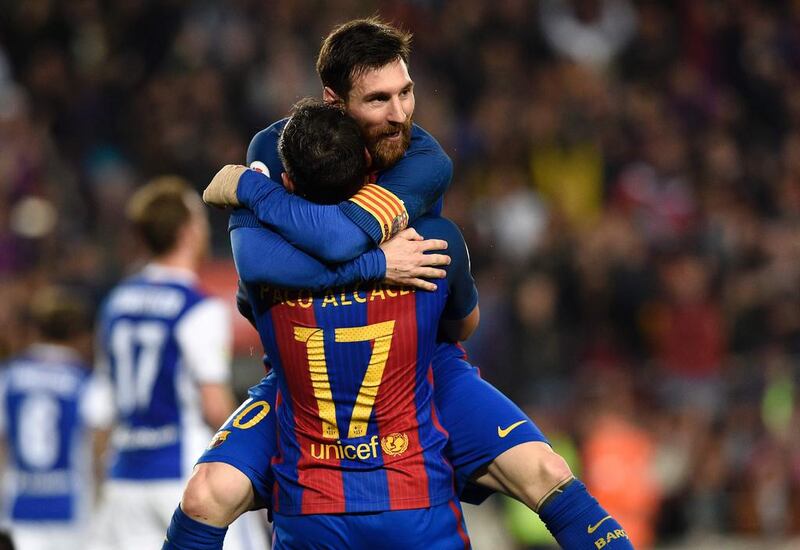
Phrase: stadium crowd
x=627 y=175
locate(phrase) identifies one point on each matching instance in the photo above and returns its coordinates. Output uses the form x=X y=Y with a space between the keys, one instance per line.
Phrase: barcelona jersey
x=357 y=428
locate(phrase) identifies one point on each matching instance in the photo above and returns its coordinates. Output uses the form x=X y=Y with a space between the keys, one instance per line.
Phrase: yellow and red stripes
x=383 y=205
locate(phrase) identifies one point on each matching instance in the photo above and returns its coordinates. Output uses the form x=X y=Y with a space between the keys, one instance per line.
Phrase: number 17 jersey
x=357 y=427
x=161 y=339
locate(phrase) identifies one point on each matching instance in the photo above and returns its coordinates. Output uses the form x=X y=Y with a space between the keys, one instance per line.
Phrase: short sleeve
x=97 y=403
x=204 y=335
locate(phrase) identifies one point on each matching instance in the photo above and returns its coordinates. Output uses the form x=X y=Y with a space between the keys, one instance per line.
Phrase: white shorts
x=135 y=516
x=32 y=536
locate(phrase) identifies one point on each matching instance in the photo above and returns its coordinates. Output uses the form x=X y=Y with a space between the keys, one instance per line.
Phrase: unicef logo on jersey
x=394 y=444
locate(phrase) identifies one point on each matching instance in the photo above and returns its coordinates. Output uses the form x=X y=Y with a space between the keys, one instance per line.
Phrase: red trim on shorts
x=460 y=525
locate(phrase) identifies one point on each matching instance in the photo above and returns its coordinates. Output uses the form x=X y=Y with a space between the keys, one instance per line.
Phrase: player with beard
x=359 y=434
x=492 y=441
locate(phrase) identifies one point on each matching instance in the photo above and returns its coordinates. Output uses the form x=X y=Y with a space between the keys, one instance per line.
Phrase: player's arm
x=461 y=313
x=263 y=256
x=458 y=330
x=407 y=190
x=96 y=408
x=204 y=336
x=324 y=231
x=338 y=233
x=3 y=429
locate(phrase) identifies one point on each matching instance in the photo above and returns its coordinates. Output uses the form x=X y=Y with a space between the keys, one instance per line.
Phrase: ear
x=329 y=96
x=288 y=184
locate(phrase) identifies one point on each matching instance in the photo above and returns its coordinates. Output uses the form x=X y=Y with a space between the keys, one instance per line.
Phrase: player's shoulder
x=208 y=307
x=424 y=148
x=437 y=227
x=271 y=132
x=262 y=153
x=152 y=292
x=422 y=140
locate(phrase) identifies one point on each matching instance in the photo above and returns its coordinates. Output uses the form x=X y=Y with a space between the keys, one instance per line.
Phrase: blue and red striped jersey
x=357 y=427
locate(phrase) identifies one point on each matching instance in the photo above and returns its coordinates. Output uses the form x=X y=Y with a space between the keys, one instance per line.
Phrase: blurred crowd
x=627 y=175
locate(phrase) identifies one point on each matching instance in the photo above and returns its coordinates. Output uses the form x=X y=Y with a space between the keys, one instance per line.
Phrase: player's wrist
x=221 y=191
x=381 y=263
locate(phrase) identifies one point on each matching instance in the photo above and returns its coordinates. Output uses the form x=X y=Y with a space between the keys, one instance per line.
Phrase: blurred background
x=627 y=175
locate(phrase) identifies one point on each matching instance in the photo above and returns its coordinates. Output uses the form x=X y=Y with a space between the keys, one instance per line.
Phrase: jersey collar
x=160 y=272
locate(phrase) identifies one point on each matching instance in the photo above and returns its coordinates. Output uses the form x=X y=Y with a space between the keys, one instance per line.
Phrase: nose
x=396 y=111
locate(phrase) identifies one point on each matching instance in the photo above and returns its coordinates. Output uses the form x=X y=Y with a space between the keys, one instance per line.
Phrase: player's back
x=147 y=324
x=358 y=429
x=46 y=417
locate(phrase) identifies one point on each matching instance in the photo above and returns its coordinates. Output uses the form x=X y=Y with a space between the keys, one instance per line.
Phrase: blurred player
x=166 y=348
x=52 y=415
x=363 y=66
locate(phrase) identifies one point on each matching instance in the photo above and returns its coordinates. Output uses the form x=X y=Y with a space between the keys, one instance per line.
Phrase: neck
x=182 y=259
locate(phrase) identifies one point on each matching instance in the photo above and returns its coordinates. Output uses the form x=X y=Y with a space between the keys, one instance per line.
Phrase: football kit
x=483 y=424
x=357 y=428
x=472 y=410
x=160 y=339
x=49 y=405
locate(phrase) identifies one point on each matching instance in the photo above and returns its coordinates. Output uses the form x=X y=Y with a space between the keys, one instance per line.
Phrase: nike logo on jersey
x=592 y=528
x=502 y=432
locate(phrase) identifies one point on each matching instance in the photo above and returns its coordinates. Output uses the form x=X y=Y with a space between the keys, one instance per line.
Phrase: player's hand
x=407 y=264
x=221 y=192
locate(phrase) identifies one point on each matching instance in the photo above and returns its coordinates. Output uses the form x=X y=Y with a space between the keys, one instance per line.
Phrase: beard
x=386 y=153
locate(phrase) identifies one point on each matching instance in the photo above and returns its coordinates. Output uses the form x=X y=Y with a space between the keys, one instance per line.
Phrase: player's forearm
x=217 y=403
x=264 y=258
x=322 y=231
x=459 y=330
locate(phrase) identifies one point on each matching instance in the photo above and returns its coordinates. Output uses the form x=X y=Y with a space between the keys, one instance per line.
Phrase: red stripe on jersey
x=395 y=407
x=323 y=484
x=459 y=526
x=434 y=414
x=278 y=458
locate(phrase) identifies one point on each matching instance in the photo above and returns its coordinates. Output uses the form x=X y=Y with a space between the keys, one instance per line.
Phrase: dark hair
x=322 y=150
x=356 y=46
x=60 y=314
x=158 y=210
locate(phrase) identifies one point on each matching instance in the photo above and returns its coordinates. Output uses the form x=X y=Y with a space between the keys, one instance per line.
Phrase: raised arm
x=263 y=256
x=341 y=232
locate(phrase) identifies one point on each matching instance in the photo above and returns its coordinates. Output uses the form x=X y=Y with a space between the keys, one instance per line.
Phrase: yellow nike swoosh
x=592 y=528
x=504 y=432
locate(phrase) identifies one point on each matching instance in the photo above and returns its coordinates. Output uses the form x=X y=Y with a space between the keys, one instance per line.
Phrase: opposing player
x=165 y=347
x=373 y=84
x=52 y=415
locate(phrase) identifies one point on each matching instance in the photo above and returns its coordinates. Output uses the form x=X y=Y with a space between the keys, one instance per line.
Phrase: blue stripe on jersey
x=284 y=466
x=440 y=472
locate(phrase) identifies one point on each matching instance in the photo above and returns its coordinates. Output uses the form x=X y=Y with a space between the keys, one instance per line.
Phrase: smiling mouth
x=393 y=135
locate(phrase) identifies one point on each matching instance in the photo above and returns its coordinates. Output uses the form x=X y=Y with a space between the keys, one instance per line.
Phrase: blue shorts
x=482 y=424
x=440 y=527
